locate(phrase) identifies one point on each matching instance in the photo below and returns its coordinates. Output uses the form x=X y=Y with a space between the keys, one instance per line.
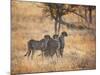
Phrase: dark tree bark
x=85 y=9
x=90 y=14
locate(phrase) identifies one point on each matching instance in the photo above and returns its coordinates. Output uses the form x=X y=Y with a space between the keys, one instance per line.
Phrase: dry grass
x=79 y=52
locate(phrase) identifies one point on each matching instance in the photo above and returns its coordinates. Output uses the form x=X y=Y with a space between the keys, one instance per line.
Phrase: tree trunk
x=55 y=28
x=85 y=13
x=59 y=26
x=90 y=15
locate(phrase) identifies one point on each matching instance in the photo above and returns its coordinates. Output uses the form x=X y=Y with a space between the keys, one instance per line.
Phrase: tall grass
x=79 y=51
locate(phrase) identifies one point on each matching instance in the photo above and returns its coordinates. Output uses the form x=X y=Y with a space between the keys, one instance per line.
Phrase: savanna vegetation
x=32 y=20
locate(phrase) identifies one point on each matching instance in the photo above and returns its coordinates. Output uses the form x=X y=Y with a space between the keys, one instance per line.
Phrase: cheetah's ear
x=55 y=36
x=47 y=36
x=64 y=33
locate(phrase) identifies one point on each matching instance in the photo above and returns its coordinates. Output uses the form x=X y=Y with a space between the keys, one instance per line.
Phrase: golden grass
x=79 y=52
